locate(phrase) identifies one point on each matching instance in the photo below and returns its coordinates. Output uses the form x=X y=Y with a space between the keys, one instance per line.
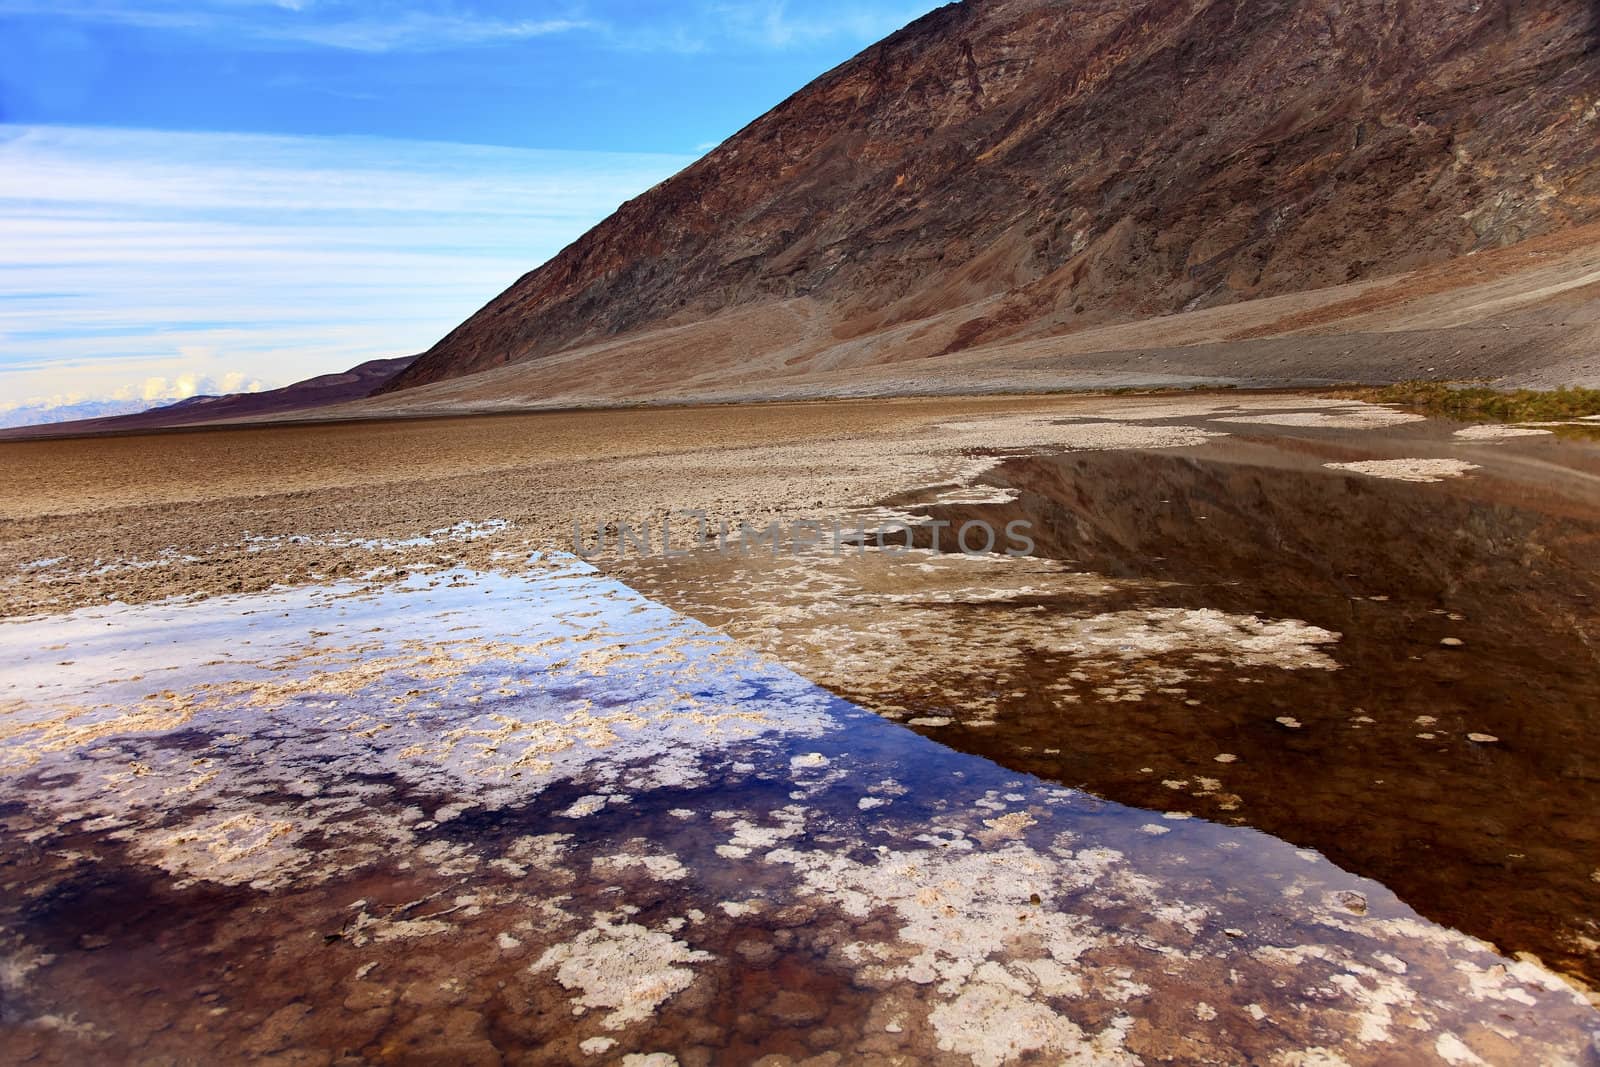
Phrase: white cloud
x=184 y=386
x=128 y=400
x=130 y=255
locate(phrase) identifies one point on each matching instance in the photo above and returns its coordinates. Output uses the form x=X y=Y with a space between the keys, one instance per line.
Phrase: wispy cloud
x=775 y=23
x=418 y=30
x=744 y=26
x=132 y=255
x=434 y=25
x=415 y=26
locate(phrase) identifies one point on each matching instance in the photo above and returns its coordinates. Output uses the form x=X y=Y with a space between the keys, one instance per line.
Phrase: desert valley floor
x=1278 y=746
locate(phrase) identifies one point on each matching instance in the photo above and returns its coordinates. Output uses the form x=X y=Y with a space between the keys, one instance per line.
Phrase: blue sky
x=227 y=193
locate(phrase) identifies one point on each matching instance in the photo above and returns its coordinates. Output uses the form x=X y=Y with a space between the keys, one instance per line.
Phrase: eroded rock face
x=1083 y=162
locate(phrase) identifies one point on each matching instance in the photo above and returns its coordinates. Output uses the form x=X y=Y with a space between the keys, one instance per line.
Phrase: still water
x=475 y=818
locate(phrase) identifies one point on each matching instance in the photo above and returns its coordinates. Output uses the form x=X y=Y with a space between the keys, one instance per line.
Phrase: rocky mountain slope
x=1022 y=169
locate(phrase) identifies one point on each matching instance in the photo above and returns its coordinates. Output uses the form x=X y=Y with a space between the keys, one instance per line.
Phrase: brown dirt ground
x=141 y=499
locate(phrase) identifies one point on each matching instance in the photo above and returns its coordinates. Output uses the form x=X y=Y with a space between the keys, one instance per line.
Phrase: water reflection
x=474 y=816
x=1454 y=747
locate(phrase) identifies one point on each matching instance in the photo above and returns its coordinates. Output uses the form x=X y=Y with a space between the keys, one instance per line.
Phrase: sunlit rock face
x=1052 y=164
x=480 y=818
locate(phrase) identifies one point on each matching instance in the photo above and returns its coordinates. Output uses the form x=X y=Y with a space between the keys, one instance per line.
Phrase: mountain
x=313 y=393
x=43 y=414
x=1006 y=170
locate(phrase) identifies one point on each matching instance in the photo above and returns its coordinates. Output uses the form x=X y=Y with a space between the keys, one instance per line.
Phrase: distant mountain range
x=44 y=414
x=313 y=393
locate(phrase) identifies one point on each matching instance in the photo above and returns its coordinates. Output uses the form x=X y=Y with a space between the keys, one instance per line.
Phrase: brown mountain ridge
x=1006 y=170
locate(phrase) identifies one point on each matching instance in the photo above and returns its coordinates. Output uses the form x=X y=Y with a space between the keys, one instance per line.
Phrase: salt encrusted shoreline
x=469 y=812
x=978 y=916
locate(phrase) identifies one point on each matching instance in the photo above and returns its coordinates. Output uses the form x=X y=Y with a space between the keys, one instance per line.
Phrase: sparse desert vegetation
x=1470 y=402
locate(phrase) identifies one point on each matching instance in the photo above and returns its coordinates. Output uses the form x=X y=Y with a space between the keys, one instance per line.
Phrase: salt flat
x=320 y=742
